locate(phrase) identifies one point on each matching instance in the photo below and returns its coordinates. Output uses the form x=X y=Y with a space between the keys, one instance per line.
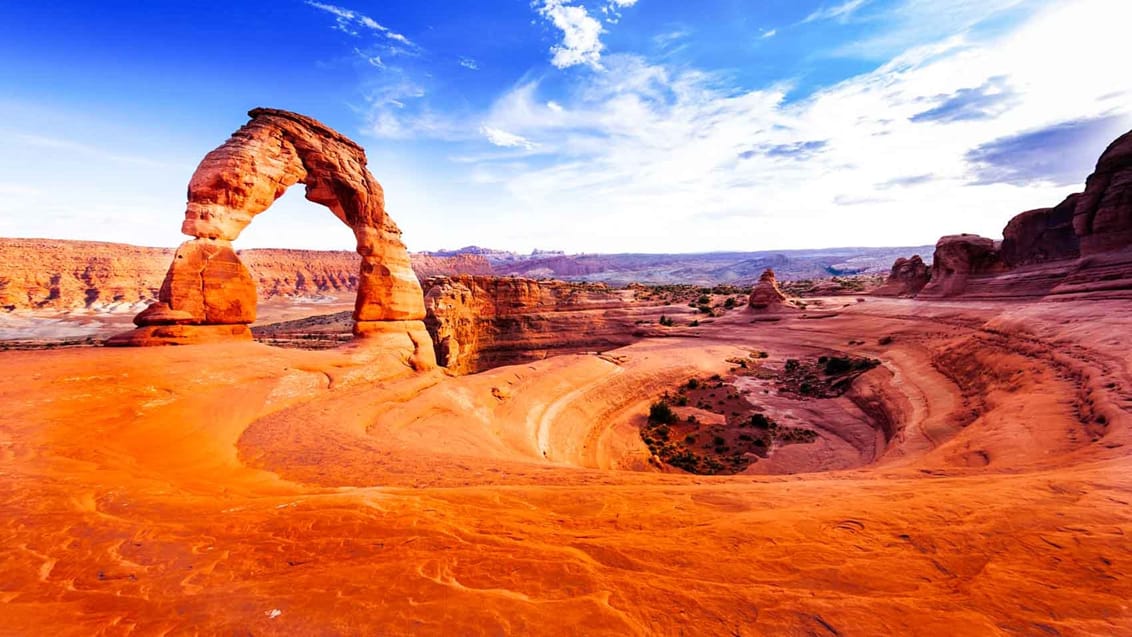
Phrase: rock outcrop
x=1082 y=246
x=242 y=178
x=907 y=278
x=958 y=258
x=1102 y=217
x=766 y=296
x=480 y=322
x=1042 y=235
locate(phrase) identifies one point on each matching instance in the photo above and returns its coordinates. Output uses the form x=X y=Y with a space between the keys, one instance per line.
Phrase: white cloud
x=506 y=140
x=840 y=12
x=641 y=149
x=581 y=34
x=348 y=21
x=469 y=63
x=770 y=33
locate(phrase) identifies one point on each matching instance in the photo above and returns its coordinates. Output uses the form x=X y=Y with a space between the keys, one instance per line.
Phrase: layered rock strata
x=480 y=322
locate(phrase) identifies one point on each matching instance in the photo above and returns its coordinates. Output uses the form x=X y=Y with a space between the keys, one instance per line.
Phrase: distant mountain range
x=738 y=268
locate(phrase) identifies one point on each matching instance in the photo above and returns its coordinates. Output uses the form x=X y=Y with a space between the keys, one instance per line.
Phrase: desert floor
x=256 y=490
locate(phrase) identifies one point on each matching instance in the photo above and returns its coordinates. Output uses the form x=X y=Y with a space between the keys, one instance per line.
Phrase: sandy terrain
x=249 y=489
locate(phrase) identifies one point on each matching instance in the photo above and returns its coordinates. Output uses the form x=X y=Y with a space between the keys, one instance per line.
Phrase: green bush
x=661 y=413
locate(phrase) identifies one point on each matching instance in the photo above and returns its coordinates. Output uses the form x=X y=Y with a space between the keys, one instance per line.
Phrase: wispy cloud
x=350 y=22
x=469 y=63
x=506 y=140
x=986 y=101
x=769 y=33
x=840 y=12
x=1058 y=154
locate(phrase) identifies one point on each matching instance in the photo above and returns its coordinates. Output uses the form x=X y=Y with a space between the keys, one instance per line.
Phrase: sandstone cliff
x=55 y=274
x=1081 y=246
x=479 y=322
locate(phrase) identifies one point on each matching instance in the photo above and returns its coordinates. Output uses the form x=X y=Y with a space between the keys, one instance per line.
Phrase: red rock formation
x=766 y=295
x=958 y=258
x=241 y=179
x=1042 y=235
x=56 y=274
x=1102 y=217
x=908 y=277
x=427 y=265
x=479 y=322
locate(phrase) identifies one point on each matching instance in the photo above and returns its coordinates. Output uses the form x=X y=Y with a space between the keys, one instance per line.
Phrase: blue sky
x=587 y=126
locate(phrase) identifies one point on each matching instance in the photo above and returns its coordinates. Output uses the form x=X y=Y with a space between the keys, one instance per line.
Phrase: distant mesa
x=208 y=293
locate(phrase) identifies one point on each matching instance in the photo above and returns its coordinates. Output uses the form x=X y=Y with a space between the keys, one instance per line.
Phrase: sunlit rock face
x=208 y=285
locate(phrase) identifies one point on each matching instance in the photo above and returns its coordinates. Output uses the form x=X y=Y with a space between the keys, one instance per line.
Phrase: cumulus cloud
x=469 y=63
x=581 y=34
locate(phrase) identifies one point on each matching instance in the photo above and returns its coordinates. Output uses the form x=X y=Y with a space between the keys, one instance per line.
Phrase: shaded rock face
x=907 y=278
x=242 y=178
x=1042 y=235
x=1102 y=217
x=958 y=258
x=766 y=295
x=480 y=322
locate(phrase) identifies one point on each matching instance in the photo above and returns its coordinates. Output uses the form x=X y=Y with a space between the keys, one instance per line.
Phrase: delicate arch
x=207 y=285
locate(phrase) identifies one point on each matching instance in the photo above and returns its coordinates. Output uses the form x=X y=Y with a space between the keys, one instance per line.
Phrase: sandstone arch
x=208 y=294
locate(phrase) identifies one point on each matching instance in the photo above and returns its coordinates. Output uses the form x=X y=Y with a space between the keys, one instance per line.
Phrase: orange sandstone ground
x=248 y=489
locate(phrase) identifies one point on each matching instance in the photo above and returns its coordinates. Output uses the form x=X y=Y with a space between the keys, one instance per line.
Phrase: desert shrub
x=661 y=413
x=662 y=432
x=729 y=303
x=689 y=439
x=681 y=401
x=703 y=300
x=692 y=420
x=694 y=323
x=746 y=437
x=763 y=355
x=791 y=364
x=760 y=421
x=665 y=321
x=718 y=441
x=692 y=383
